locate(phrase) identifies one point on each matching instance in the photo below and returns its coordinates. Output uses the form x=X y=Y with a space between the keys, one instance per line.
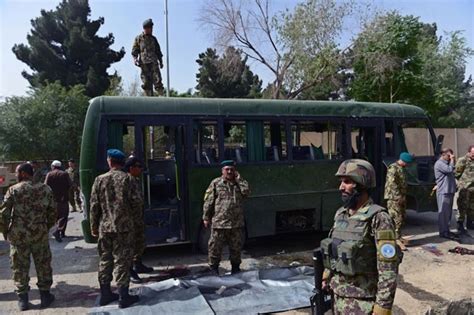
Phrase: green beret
x=228 y=163
x=116 y=154
x=147 y=23
x=406 y=157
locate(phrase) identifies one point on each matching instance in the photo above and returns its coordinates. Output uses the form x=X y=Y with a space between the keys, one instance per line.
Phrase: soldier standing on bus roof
x=395 y=193
x=27 y=213
x=75 y=191
x=465 y=176
x=134 y=168
x=114 y=204
x=147 y=55
x=224 y=213
x=361 y=256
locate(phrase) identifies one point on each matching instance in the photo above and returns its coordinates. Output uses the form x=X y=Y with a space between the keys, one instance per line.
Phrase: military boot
x=461 y=229
x=46 y=299
x=214 y=270
x=134 y=277
x=125 y=299
x=106 y=294
x=23 y=302
x=235 y=269
x=139 y=267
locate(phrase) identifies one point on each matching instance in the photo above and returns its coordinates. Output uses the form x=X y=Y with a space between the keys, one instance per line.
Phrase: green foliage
x=64 y=46
x=47 y=124
x=400 y=59
x=226 y=77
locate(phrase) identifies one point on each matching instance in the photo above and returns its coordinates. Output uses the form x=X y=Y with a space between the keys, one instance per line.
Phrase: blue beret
x=228 y=163
x=406 y=157
x=116 y=154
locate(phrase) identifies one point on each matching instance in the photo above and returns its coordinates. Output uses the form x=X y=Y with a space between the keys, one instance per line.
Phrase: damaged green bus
x=288 y=151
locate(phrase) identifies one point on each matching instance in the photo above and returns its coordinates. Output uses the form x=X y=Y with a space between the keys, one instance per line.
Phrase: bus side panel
x=276 y=192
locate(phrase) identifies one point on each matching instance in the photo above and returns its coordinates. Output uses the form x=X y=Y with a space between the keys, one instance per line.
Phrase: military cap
x=116 y=154
x=71 y=160
x=132 y=161
x=147 y=23
x=228 y=163
x=406 y=157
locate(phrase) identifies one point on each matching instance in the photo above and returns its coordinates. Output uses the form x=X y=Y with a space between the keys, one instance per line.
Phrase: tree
x=47 y=124
x=400 y=59
x=64 y=46
x=299 y=48
x=226 y=77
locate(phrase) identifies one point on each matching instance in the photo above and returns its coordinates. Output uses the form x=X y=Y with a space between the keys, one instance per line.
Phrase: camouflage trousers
x=20 y=264
x=151 y=76
x=139 y=242
x=465 y=204
x=352 y=306
x=75 y=198
x=115 y=254
x=220 y=238
x=397 y=210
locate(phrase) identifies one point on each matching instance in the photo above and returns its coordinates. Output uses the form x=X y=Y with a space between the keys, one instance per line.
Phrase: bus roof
x=117 y=105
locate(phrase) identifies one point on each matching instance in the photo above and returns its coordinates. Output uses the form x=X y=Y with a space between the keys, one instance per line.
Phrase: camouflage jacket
x=28 y=212
x=396 y=183
x=147 y=47
x=223 y=203
x=137 y=186
x=74 y=176
x=380 y=287
x=465 y=172
x=114 y=203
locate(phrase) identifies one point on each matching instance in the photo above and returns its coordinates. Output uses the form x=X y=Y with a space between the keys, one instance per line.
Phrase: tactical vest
x=350 y=249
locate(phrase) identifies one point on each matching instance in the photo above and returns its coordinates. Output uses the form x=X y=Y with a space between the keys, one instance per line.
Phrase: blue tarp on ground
x=249 y=292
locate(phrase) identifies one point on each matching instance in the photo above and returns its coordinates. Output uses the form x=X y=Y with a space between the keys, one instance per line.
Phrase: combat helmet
x=360 y=171
x=148 y=23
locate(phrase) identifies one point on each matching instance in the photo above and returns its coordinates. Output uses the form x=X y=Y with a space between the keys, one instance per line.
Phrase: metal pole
x=167 y=52
x=456 y=142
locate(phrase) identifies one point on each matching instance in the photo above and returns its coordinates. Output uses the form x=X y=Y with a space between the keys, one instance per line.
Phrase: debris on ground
x=168 y=274
x=461 y=250
x=432 y=248
x=461 y=307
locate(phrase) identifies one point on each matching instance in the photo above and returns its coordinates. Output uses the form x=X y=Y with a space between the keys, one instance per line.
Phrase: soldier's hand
x=161 y=65
x=136 y=62
x=237 y=175
x=205 y=223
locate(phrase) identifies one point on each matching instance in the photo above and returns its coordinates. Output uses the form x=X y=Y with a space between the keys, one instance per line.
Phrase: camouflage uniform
x=395 y=193
x=29 y=211
x=465 y=176
x=368 y=283
x=223 y=207
x=114 y=204
x=139 y=233
x=147 y=48
x=75 y=191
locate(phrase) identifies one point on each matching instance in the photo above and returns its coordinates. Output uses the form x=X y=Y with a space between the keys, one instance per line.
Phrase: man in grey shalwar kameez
x=444 y=170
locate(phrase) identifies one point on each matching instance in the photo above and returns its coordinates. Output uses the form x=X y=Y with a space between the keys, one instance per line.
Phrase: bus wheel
x=205 y=235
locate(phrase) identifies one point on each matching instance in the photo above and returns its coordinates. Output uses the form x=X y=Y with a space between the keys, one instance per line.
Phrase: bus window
x=415 y=138
x=275 y=141
x=389 y=139
x=235 y=141
x=120 y=135
x=206 y=142
x=316 y=140
x=363 y=140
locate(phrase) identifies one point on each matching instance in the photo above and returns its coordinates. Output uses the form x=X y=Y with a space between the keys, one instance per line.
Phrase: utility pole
x=167 y=52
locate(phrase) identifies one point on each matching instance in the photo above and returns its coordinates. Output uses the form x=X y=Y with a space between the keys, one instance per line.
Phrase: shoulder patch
x=387 y=250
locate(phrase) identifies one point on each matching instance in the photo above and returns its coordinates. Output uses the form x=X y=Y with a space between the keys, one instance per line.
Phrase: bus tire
x=205 y=235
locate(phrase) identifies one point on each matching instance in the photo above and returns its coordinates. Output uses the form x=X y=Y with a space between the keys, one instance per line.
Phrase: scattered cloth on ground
x=248 y=292
x=461 y=307
x=432 y=248
x=461 y=250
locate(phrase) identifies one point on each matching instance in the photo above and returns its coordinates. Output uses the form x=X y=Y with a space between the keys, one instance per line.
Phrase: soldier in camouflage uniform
x=75 y=191
x=224 y=213
x=114 y=204
x=465 y=176
x=147 y=55
x=134 y=167
x=361 y=256
x=395 y=193
x=27 y=213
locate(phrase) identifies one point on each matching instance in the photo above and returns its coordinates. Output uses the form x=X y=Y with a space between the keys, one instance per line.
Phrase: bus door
x=366 y=144
x=162 y=148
